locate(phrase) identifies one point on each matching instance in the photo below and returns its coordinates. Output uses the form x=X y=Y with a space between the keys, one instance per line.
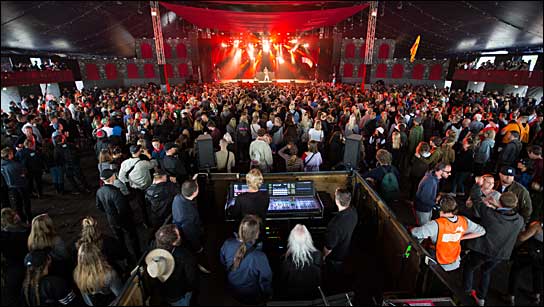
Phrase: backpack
x=389 y=187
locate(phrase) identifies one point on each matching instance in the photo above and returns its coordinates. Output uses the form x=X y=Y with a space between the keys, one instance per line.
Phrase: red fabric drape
x=92 y=72
x=147 y=51
x=262 y=21
x=350 y=50
x=381 y=71
x=181 y=51
x=132 y=71
x=111 y=71
x=417 y=71
x=362 y=51
x=398 y=71
x=384 y=51
x=183 y=70
x=167 y=50
x=436 y=72
x=348 y=70
x=149 y=71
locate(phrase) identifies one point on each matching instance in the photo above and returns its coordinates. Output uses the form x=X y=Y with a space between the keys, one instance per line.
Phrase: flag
x=413 y=50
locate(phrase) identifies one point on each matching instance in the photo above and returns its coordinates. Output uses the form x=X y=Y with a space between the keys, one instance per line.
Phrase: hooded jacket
x=502 y=229
x=483 y=151
x=510 y=153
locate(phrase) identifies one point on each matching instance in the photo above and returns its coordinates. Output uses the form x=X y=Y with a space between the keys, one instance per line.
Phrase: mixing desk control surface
x=287 y=199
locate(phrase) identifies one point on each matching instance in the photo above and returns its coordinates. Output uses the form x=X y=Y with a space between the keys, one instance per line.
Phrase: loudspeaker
x=205 y=154
x=352 y=151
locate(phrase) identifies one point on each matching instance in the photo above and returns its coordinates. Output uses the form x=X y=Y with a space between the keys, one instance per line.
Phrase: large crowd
x=144 y=142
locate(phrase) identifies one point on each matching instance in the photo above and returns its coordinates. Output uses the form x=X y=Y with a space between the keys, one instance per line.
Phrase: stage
x=298 y=81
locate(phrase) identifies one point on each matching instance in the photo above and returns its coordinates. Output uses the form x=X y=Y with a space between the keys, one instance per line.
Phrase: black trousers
x=19 y=199
x=128 y=238
x=35 y=177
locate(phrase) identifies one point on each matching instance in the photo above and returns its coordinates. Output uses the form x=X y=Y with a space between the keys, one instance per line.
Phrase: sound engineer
x=253 y=201
x=338 y=236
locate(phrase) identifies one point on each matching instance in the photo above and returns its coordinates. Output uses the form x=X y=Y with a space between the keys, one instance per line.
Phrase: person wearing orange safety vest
x=447 y=232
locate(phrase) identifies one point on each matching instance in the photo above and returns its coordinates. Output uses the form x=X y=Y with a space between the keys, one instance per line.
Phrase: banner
x=413 y=50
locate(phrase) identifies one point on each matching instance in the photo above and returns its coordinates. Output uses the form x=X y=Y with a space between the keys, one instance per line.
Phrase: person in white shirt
x=316 y=133
x=260 y=152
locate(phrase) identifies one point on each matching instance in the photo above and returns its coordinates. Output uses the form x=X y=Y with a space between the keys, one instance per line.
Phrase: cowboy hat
x=160 y=264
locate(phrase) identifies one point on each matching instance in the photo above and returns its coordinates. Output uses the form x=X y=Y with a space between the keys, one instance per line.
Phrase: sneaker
x=204 y=270
x=481 y=302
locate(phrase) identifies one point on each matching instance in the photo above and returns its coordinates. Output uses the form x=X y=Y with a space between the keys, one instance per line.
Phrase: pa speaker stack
x=206 y=155
x=352 y=151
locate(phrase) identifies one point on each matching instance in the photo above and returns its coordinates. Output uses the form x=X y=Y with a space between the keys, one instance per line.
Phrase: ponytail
x=248 y=232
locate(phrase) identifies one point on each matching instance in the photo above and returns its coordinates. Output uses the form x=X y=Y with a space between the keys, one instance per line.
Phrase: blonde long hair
x=89 y=232
x=42 y=233
x=92 y=270
x=395 y=139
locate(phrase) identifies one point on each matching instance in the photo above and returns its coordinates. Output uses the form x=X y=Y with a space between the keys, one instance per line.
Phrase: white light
x=306 y=45
x=475 y=82
x=4 y=88
x=294 y=41
x=236 y=43
x=266 y=46
x=515 y=86
x=223 y=45
x=374 y=13
x=495 y=52
x=153 y=13
x=281 y=60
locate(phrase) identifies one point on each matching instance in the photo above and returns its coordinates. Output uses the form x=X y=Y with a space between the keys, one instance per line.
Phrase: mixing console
x=287 y=199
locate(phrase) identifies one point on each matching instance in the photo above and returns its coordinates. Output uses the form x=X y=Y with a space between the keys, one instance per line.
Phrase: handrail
x=516 y=77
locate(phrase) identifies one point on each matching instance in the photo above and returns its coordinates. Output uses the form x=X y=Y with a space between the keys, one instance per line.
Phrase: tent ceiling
x=111 y=27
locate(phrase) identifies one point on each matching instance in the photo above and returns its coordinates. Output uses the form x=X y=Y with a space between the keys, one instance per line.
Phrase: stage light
x=223 y=45
x=306 y=45
x=281 y=60
x=294 y=41
x=236 y=43
x=266 y=46
x=374 y=13
x=153 y=13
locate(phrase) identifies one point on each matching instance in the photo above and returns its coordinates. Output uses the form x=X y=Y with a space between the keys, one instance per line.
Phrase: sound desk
x=288 y=200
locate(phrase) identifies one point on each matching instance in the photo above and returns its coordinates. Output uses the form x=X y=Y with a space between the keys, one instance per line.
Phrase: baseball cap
x=508 y=171
x=169 y=146
x=380 y=130
x=135 y=148
x=106 y=174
